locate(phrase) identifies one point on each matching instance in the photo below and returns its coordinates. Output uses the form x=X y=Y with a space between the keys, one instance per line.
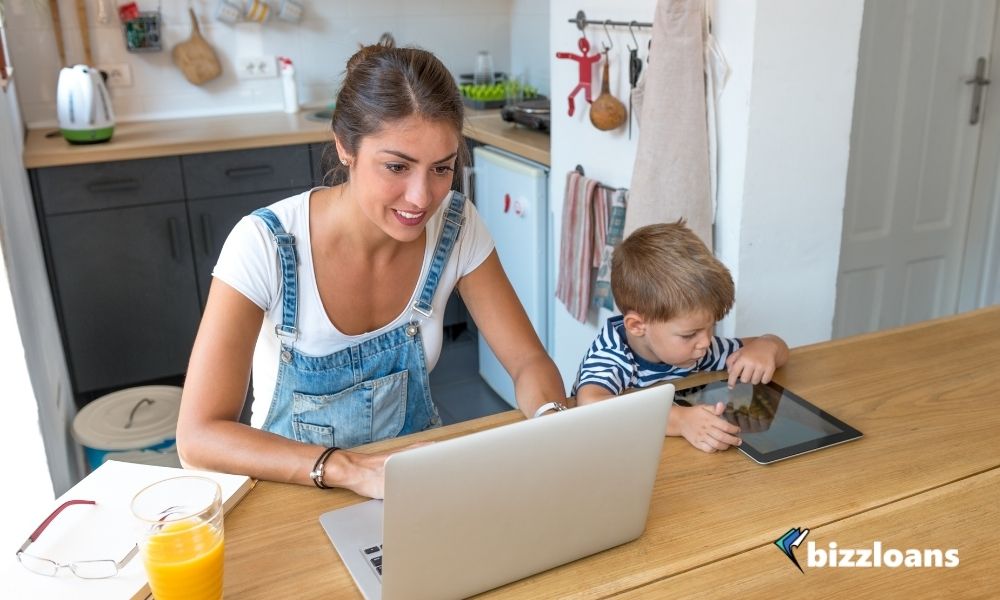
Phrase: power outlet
x=256 y=67
x=119 y=76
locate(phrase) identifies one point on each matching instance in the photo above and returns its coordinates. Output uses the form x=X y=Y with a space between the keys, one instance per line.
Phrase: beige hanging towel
x=576 y=245
x=670 y=178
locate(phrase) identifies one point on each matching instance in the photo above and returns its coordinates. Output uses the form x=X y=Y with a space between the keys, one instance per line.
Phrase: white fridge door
x=511 y=196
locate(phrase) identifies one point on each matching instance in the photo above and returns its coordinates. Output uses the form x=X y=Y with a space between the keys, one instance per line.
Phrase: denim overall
x=374 y=390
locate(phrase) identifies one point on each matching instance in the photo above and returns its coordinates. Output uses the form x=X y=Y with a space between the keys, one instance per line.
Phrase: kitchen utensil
x=607 y=112
x=84 y=24
x=84 y=106
x=195 y=56
x=634 y=69
x=57 y=29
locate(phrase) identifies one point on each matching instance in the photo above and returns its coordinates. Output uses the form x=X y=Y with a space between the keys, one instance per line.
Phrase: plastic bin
x=133 y=425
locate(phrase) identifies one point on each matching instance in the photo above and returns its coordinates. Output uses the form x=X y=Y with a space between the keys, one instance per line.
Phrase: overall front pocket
x=367 y=412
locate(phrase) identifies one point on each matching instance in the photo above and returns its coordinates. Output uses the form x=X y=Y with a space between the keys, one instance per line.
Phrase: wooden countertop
x=148 y=139
x=921 y=394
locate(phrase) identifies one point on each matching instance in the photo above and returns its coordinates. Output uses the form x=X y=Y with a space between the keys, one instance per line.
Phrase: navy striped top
x=611 y=364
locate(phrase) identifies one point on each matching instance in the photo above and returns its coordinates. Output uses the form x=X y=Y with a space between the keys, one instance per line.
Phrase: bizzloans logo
x=876 y=556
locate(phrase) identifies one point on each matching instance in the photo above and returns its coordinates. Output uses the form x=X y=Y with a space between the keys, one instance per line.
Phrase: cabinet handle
x=175 y=238
x=114 y=185
x=206 y=233
x=249 y=171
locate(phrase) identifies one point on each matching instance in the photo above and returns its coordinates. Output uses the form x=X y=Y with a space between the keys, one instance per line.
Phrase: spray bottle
x=288 y=82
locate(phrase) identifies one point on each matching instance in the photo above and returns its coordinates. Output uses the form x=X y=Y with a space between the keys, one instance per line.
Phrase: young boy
x=671 y=291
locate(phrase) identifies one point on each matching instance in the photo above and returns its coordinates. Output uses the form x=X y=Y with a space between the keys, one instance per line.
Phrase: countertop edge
x=152 y=139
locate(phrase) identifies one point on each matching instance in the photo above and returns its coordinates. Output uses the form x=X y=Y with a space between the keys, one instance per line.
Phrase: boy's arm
x=591 y=392
x=757 y=360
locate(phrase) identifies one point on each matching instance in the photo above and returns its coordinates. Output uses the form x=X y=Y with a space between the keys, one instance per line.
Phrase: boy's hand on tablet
x=704 y=427
x=756 y=361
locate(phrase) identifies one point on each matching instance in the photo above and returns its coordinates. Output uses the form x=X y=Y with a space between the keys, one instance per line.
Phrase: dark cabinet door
x=246 y=171
x=324 y=160
x=211 y=221
x=127 y=292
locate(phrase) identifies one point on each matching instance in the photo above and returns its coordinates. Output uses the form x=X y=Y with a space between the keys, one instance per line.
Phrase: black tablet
x=774 y=423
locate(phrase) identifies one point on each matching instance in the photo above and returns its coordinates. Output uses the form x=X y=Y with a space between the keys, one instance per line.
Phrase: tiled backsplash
x=319 y=46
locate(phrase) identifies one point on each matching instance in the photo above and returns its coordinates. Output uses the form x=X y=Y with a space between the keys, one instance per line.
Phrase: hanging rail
x=582 y=22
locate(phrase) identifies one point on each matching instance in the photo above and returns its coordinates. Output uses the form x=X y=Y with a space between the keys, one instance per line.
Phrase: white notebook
x=103 y=531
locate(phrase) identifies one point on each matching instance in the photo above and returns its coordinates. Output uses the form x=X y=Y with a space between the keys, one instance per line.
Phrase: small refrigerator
x=511 y=195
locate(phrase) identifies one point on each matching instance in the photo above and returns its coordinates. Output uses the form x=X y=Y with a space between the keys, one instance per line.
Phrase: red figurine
x=586 y=64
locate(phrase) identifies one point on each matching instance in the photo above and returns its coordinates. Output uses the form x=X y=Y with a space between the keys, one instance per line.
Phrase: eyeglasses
x=85 y=569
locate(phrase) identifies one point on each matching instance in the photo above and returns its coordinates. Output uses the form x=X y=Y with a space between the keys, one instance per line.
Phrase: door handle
x=113 y=185
x=206 y=233
x=980 y=82
x=249 y=171
x=175 y=238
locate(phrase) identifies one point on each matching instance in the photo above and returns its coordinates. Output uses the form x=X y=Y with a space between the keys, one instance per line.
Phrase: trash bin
x=133 y=425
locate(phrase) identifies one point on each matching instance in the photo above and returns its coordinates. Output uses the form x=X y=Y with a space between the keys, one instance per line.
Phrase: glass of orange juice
x=180 y=539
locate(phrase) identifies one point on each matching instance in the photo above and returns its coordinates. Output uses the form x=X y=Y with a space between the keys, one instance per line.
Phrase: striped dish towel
x=576 y=245
x=614 y=227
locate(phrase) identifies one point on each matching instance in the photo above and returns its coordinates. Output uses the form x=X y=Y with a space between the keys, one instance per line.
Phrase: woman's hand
x=363 y=474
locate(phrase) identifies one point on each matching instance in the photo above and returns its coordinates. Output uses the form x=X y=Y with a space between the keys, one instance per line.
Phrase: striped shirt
x=611 y=364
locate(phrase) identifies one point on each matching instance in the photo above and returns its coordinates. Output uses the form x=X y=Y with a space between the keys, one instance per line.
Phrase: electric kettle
x=84 y=106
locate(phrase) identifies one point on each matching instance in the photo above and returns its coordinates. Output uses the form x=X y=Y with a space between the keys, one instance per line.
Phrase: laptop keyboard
x=373 y=554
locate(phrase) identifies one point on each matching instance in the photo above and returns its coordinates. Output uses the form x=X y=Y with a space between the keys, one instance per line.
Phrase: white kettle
x=84 y=106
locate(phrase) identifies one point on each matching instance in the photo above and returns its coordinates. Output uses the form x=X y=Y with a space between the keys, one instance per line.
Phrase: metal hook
x=632 y=33
x=607 y=34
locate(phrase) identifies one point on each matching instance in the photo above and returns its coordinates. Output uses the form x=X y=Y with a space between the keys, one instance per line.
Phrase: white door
x=913 y=161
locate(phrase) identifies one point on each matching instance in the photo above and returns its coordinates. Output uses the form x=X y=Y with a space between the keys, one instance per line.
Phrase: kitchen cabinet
x=223 y=187
x=130 y=246
x=120 y=267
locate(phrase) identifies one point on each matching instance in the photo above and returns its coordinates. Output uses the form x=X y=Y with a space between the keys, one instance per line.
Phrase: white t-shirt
x=249 y=263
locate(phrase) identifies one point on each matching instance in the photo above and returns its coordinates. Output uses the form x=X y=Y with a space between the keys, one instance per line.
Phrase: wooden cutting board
x=195 y=57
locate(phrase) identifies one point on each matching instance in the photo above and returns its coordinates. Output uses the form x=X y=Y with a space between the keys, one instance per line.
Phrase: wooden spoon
x=81 y=15
x=57 y=28
x=607 y=112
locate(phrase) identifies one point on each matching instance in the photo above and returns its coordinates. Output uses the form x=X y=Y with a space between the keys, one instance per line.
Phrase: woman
x=346 y=287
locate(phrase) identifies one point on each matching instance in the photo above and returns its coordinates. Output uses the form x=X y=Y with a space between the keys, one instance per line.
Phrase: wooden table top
x=962 y=515
x=923 y=395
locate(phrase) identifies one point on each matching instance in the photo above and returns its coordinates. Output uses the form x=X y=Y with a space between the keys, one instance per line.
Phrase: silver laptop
x=472 y=513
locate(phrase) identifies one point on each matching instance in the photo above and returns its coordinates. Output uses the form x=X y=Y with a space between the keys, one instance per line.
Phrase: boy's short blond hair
x=664 y=270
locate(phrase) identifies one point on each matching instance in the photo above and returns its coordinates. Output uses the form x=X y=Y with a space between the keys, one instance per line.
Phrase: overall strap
x=288 y=260
x=451 y=225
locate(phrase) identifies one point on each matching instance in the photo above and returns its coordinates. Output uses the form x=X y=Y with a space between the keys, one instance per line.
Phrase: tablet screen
x=774 y=422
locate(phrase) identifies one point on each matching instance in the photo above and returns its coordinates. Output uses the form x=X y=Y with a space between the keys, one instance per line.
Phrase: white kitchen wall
x=319 y=46
x=784 y=132
x=785 y=140
x=607 y=156
x=529 y=43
